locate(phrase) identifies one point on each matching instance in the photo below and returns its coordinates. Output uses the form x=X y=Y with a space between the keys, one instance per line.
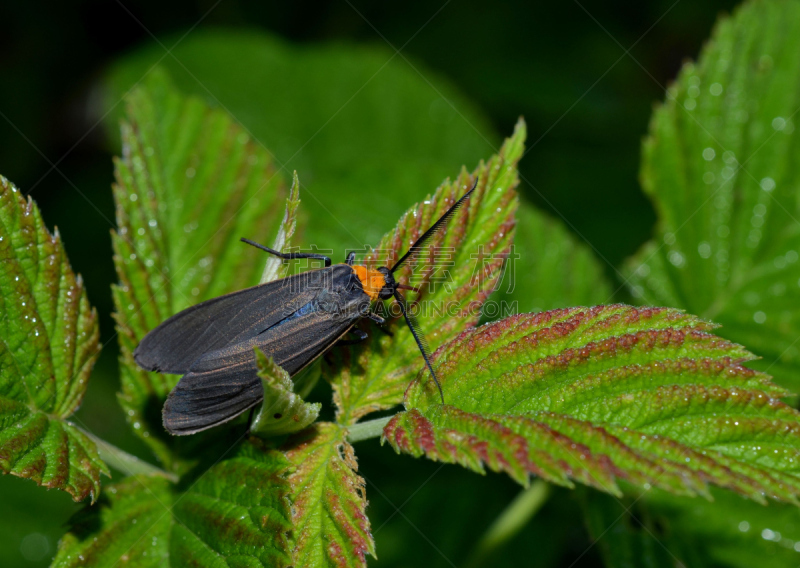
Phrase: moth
x=294 y=320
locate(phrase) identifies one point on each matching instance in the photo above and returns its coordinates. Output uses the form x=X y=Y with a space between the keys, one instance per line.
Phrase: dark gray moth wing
x=184 y=338
x=223 y=383
x=206 y=398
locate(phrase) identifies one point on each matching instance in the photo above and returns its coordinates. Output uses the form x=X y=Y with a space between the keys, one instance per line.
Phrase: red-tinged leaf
x=189 y=184
x=328 y=501
x=606 y=393
x=235 y=514
x=456 y=273
x=48 y=346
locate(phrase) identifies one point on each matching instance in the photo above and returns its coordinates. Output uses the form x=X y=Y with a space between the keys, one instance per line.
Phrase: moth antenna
x=435 y=227
x=418 y=337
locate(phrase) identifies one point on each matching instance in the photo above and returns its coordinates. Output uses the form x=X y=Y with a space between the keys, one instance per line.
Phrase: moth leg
x=289 y=255
x=360 y=334
x=351 y=257
x=381 y=323
x=376 y=318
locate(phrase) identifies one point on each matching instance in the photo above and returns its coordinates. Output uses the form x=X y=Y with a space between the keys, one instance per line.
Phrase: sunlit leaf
x=282 y=411
x=48 y=345
x=597 y=394
x=720 y=164
x=275 y=267
x=190 y=184
x=455 y=277
x=235 y=514
x=328 y=501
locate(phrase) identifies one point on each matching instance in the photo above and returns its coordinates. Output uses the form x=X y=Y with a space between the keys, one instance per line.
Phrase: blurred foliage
x=655 y=529
x=30 y=535
x=727 y=531
x=358 y=131
x=626 y=535
x=587 y=105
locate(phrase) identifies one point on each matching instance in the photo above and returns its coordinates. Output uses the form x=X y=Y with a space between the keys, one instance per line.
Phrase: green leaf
x=455 y=279
x=48 y=345
x=235 y=514
x=275 y=267
x=282 y=411
x=328 y=501
x=190 y=183
x=720 y=164
x=605 y=393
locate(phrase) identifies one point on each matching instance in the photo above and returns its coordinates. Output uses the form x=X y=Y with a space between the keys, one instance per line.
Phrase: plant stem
x=367 y=430
x=511 y=521
x=127 y=463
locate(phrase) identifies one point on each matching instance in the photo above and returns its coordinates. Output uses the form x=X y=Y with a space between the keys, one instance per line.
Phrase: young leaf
x=48 y=345
x=720 y=164
x=596 y=394
x=328 y=501
x=236 y=513
x=190 y=183
x=282 y=411
x=456 y=272
x=275 y=267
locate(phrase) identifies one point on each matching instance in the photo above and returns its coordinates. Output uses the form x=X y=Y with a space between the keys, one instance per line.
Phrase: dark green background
x=587 y=106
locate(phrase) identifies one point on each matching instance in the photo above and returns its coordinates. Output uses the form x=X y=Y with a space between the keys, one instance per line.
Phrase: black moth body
x=294 y=320
x=212 y=343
